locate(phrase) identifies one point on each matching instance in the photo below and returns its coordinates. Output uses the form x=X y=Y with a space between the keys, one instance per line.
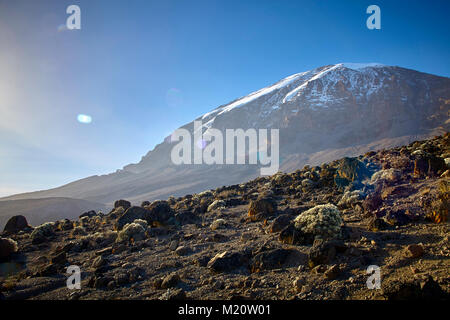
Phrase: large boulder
x=428 y=165
x=280 y=222
x=122 y=203
x=16 y=224
x=350 y=170
x=323 y=252
x=292 y=235
x=7 y=247
x=88 y=214
x=228 y=261
x=271 y=259
x=416 y=289
x=131 y=214
x=261 y=209
x=160 y=212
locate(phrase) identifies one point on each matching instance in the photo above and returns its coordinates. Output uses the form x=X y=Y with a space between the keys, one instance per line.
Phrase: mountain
x=323 y=114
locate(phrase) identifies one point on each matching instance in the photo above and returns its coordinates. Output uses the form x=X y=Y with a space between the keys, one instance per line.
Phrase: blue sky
x=143 y=68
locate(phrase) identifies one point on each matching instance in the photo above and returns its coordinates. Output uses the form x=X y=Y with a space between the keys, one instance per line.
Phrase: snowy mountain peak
x=301 y=80
x=359 y=66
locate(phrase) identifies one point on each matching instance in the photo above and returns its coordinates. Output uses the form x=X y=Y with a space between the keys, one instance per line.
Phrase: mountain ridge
x=330 y=109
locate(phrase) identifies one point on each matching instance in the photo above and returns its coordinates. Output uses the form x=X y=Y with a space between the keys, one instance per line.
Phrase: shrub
x=322 y=221
x=132 y=231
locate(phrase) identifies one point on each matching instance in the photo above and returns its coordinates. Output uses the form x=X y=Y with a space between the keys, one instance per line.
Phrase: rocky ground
x=310 y=234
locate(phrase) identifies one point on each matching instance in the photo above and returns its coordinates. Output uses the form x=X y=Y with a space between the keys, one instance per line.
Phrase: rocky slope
x=310 y=234
x=323 y=114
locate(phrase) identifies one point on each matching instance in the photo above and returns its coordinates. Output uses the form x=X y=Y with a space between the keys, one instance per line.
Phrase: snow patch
x=320 y=74
x=359 y=66
x=259 y=93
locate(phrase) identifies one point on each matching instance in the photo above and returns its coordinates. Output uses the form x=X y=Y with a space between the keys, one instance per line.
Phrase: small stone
x=183 y=250
x=98 y=262
x=217 y=224
x=104 y=252
x=298 y=284
x=246 y=237
x=301 y=268
x=173 y=245
x=332 y=272
x=121 y=278
x=414 y=251
x=157 y=283
x=319 y=269
x=170 y=281
x=59 y=259
x=414 y=270
x=218 y=285
x=177 y=294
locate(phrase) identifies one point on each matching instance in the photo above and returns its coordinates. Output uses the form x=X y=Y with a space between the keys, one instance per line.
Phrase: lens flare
x=201 y=144
x=83 y=118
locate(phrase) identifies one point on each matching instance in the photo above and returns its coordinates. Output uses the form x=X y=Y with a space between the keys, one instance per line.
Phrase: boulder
x=291 y=235
x=280 y=222
x=217 y=204
x=131 y=214
x=323 y=252
x=65 y=225
x=170 y=281
x=414 y=251
x=7 y=247
x=350 y=170
x=174 y=295
x=372 y=202
x=261 y=209
x=268 y=260
x=376 y=224
x=217 y=224
x=428 y=165
x=183 y=250
x=227 y=261
x=427 y=289
x=122 y=203
x=59 y=259
x=387 y=176
x=159 y=212
x=16 y=224
x=185 y=217
x=88 y=214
